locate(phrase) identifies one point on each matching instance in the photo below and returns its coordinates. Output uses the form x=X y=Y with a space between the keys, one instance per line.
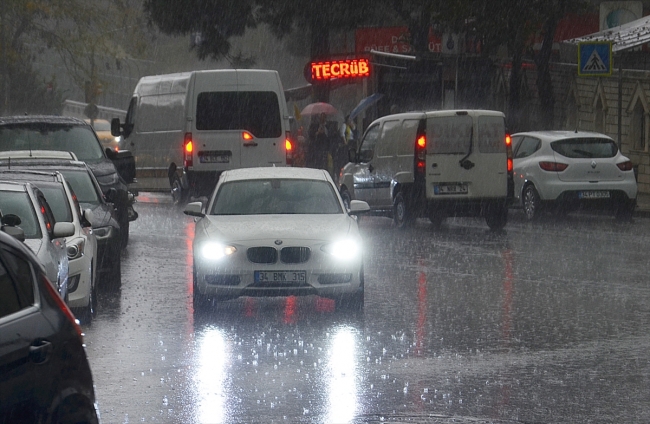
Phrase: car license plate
x=594 y=194
x=280 y=276
x=450 y=189
x=214 y=158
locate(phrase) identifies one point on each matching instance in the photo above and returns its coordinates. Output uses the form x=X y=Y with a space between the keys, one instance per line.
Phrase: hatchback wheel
x=531 y=202
x=179 y=195
x=345 y=196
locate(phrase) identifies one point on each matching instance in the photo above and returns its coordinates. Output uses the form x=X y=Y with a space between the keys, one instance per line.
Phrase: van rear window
x=255 y=111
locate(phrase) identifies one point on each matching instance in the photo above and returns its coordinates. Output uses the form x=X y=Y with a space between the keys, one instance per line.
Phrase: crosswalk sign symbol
x=595 y=59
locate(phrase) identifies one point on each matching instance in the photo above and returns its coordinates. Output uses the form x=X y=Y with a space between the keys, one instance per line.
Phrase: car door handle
x=371 y=168
x=40 y=351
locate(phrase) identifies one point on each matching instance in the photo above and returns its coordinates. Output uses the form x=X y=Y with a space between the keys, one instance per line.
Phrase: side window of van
x=387 y=143
x=367 y=149
x=406 y=138
x=491 y=134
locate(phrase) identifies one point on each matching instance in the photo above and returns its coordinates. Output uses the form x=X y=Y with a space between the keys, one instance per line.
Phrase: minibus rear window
x=257 y=112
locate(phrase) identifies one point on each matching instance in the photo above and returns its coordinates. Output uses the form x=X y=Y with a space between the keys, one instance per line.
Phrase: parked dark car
x=89 y=195
x=113 y=170
x=44 y=372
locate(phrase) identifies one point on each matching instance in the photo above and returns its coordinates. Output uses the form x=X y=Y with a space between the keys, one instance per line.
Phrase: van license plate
x=450 y=189
x=280 y=276
x=214 y=159
x=594 y=194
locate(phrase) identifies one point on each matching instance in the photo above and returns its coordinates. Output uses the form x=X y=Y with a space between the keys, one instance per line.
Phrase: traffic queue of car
x=65 y=209
x=62 y=195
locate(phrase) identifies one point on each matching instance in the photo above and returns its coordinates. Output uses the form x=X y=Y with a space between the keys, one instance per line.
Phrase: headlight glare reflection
x=215 y=251
x=343 y=249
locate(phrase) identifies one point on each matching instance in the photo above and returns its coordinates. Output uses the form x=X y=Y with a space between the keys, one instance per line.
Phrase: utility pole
x=5 y=60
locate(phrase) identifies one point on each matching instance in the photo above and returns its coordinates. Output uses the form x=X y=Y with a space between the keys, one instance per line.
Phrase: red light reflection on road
x=290 y=308
x=324 y=304
x=420 y=328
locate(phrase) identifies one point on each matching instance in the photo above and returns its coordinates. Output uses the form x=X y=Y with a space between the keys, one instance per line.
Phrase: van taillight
x=62 y=306
x=188 y=149
x=420 y=153
x=288 y=146
x=510 y=165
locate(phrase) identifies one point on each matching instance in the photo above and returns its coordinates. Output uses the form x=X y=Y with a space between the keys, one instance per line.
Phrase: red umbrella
x=318 y=108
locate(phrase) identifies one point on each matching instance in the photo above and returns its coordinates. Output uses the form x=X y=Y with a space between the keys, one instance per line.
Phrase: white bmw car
x=566 y=170
x=277 y=232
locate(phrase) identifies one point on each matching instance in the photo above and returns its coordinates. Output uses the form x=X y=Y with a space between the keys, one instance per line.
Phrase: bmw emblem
x=278 y=242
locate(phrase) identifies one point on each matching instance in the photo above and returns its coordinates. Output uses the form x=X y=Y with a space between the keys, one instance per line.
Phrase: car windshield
x=58 y=201
x=585 y=148
x=42 y=136
x=18 y=203
x=82 y=185
x=276 y=196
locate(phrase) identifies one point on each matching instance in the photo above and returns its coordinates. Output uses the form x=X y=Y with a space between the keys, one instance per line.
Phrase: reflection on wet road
x=540 y=323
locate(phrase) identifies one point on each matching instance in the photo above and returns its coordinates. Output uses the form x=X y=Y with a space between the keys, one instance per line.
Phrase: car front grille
x=294 y=255
x=262 y=255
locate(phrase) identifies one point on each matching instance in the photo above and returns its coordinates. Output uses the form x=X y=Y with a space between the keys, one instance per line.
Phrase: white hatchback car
x=27 y=215
x=81 y=246
x=569 y=170
x=277 y=232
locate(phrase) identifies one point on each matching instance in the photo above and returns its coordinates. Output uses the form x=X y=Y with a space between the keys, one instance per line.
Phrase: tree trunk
x=544 y=81
x=320 y=49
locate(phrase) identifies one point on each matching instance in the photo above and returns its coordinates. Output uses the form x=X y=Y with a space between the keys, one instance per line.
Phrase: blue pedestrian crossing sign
x=595 y=59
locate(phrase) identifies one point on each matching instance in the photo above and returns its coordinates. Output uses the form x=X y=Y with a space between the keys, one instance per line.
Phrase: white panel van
x=433 y=164
x=185 y=129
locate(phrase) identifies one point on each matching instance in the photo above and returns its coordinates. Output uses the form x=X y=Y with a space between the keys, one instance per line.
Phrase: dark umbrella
x=365 y=104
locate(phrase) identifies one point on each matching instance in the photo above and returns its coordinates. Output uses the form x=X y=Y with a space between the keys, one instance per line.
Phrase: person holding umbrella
x=318 y=146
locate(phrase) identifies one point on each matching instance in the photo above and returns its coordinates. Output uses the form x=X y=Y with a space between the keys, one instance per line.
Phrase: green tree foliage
x=80 y=32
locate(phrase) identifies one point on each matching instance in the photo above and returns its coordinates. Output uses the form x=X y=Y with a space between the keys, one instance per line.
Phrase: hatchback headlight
x=75 y=248
x=346 y=249
x=215 y=251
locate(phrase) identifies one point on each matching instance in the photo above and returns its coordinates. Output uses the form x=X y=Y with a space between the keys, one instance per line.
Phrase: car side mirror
x=358 y=207
x=116 y=129
x=194 y=209
x=110 y=195
x=88 y=216
x=63 y=229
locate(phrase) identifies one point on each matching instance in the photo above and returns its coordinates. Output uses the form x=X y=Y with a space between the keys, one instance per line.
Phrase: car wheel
x=531 y=203
x=124 y=229
x=179 y=195
x=402 y=214
x=496 y=216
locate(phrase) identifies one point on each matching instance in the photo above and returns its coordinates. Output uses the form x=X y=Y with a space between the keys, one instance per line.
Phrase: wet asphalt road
x=541 y=323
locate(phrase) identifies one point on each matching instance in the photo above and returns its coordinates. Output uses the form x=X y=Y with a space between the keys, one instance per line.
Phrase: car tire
x=496 y=216
x=179 y=196
x=531 y=203
x=402 y=213
x=87 y=313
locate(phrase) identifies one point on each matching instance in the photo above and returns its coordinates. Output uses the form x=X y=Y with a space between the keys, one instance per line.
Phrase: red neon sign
x=335 y=69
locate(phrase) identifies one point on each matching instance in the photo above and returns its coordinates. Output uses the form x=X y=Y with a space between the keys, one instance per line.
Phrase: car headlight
x=75 y=248
x=214 y=251
x=108 y=180
x=347 y=249
x=103 y=232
